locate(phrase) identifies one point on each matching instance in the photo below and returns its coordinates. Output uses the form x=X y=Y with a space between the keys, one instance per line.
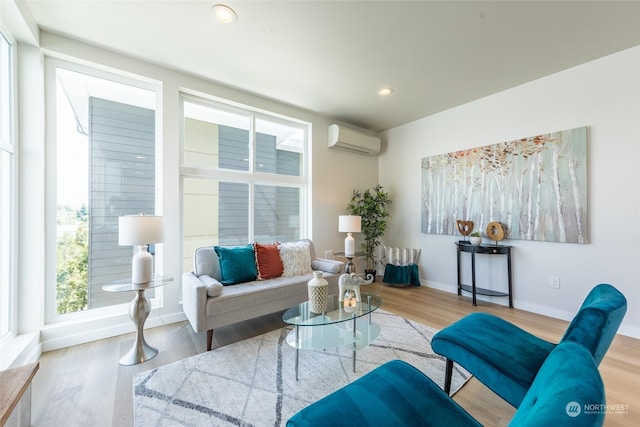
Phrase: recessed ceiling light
x=224 y=13
x=385 y=91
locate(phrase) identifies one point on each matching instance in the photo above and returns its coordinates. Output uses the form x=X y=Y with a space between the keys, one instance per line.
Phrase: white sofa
x=245 y=300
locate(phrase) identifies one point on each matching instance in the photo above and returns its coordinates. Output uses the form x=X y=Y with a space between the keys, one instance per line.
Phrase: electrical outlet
x=554 y=282
x=328 y=254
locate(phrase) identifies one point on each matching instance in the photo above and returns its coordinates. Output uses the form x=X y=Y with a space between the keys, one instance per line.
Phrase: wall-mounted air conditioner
x=353 y=140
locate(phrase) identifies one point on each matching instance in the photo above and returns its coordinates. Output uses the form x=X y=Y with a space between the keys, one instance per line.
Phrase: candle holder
x=350 y=301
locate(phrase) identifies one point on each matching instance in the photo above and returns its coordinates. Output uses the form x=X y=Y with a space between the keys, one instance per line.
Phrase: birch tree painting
x=536 y=187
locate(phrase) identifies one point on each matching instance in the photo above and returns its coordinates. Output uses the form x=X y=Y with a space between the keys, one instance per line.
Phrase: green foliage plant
x=476 y=234
x=372 y=206
x=72 y=261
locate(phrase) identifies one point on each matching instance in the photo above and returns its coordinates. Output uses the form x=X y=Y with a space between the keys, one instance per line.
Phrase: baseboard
x=56 y=336
x=532 y=308
x=174 y=318
x=439 y=286
x=454 y=290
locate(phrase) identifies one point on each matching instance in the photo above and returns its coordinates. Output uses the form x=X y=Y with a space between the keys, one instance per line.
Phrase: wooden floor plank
x=84 y=385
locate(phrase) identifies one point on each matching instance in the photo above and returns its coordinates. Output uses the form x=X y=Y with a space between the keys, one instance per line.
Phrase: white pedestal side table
x=139 y=310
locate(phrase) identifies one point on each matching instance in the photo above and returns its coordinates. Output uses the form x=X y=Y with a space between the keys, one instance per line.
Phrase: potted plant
x=475 y=238
x=371 y=205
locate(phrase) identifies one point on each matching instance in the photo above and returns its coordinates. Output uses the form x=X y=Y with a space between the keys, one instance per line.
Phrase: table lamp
x=140 y=230
x=349 y=224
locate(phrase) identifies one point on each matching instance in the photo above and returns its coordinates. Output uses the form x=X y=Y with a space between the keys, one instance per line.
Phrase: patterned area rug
x=252 y=382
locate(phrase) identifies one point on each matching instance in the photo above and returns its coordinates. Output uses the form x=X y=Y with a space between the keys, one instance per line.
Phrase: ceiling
x=332 y=57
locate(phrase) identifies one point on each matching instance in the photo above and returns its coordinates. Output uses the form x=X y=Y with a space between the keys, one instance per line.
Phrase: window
x=7 y=189
x=105 y=150
x=243 y=177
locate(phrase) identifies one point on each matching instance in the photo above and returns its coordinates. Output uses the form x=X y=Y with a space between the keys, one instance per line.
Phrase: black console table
x=464 y=246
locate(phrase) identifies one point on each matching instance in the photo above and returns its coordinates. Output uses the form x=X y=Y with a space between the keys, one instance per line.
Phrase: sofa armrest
x=194 y=301
x=327 y=265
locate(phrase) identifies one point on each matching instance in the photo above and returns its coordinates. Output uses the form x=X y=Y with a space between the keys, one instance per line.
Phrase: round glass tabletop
x=126 y=285
x=300 y=315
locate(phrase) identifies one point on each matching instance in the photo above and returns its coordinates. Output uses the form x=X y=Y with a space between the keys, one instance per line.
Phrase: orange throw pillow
x=268 y=261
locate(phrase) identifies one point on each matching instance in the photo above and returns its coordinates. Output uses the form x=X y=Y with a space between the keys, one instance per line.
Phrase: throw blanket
x=405 y=274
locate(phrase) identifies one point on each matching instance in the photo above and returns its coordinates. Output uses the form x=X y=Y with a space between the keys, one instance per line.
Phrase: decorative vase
x=318 y=289
x=475 y=240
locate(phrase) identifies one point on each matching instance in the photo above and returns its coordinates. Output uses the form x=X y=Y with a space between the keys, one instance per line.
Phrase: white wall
x=605 y=96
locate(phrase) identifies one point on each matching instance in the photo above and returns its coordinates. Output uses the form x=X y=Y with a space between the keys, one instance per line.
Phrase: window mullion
x=8 y=189
x=248 y=168
x=251 y=213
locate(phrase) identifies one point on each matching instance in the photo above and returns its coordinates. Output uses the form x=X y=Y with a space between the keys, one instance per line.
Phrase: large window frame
x=52 y=64
x=251 y=176
x=9 y=188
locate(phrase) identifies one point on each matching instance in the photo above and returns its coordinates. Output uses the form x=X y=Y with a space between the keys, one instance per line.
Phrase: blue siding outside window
x=276 y=211
x=122 y=182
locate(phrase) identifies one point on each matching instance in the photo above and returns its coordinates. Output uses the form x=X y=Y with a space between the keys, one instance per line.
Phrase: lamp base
x=141 y=266
x=349 y=245
x=350 y=267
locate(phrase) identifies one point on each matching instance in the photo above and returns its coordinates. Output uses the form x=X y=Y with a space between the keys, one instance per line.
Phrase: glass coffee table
x=337 y=327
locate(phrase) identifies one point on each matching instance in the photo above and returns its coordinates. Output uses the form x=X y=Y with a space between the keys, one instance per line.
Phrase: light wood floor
x=85 y=386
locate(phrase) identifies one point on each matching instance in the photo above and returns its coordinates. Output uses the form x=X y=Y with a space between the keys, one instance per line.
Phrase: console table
x=464 y=246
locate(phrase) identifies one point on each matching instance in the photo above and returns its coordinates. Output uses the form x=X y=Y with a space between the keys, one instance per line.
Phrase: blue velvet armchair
x=507 y=358
x=398 y=395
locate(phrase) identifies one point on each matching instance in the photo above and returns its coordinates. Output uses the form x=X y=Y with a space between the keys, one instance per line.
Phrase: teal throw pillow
x=237 y=264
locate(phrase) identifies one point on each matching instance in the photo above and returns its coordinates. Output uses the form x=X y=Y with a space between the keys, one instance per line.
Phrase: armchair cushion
x=500 y=355
x=395 y=394
x=596 y=323
x=566 y=385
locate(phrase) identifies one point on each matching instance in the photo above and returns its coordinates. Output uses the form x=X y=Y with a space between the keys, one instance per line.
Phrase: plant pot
x=368 y=272
x=475 y=240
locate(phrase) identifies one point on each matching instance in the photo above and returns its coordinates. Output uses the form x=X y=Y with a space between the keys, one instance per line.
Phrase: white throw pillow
x=296 y=258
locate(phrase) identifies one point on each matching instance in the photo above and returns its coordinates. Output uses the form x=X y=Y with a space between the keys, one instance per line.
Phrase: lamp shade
x=349 y=223
x=140 y=230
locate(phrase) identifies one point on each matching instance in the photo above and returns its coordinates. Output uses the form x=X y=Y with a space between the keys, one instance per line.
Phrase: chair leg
x=448 y=372
x=209 y=338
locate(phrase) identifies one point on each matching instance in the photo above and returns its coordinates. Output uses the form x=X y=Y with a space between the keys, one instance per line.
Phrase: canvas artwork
x=535 y=187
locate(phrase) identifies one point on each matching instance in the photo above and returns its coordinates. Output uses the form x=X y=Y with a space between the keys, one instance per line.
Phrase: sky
x=72 y=147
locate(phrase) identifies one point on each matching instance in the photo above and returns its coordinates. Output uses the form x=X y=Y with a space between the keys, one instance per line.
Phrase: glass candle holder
x=350 y=302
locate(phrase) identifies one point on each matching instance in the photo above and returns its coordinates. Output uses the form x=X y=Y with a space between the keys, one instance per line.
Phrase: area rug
x=252 y=382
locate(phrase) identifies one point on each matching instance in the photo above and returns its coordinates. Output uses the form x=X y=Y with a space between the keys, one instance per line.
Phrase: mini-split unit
x=353 y=140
